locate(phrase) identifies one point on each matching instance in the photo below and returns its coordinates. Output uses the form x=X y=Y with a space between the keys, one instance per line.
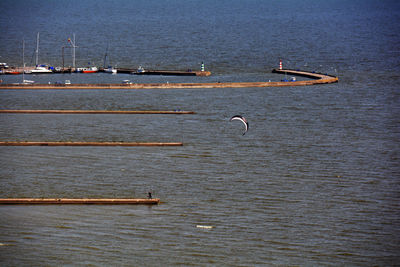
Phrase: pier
x=317 y=78
x=84 y=201
x=128 y=144
x=162 y=72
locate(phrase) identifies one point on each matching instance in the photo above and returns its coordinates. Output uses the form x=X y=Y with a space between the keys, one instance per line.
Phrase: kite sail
x=242 y=119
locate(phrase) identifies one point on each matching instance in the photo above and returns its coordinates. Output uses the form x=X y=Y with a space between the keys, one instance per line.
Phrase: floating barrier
x=102 y=201
x=96 y=111
x=13 y=143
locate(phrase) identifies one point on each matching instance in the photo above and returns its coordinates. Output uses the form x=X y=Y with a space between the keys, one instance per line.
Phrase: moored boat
x=39 y=69
x=27 y=82
x=13 y=72
x=88 y=70
x=110 y=69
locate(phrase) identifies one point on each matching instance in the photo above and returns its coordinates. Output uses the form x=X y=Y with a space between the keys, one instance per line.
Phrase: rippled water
x=313 y=182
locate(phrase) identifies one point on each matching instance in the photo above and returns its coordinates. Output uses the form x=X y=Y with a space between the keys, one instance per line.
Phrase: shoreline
x=318 y=78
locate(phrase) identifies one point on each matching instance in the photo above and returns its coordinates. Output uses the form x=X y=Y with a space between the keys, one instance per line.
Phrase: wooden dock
x=128 y=144
x=82 y=201
x=56 y=111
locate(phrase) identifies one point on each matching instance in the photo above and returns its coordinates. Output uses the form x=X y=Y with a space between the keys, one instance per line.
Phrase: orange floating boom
x=90 y=144
x=102 y=201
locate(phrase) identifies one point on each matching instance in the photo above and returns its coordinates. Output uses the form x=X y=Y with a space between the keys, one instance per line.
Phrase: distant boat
x=13 y=72
x=110 y=69
x=39 y=69
x=140 y=70
x=87 y=70
x=27 y=82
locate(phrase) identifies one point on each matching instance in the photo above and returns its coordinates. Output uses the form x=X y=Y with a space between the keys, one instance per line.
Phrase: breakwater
x=317 y=78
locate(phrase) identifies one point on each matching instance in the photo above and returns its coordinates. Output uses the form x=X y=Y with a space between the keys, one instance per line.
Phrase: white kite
x=242 y=119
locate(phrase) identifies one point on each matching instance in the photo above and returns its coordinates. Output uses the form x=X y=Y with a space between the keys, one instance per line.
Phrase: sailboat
x=110 y=69
x=23 y=65
x=39 y=68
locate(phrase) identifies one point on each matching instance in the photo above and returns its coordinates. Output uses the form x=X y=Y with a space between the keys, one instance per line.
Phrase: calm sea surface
x=314 y=182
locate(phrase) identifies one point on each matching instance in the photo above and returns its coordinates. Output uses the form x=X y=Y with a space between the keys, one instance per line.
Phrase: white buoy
x=280 y=64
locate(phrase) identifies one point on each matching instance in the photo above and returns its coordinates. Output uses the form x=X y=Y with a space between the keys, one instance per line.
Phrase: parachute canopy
x=242 y=119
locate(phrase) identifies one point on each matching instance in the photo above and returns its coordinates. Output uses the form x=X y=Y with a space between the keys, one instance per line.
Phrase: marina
x=317 y=78
x=44 y=69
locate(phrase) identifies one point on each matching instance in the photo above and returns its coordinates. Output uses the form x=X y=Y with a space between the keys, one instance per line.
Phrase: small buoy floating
x=204 y=226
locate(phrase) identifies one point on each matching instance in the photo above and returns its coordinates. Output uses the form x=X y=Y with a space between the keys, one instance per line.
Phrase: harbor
x=316 y=78
x=52 y=70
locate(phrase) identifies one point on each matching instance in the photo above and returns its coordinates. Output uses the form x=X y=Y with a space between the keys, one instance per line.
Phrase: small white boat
x=3 y=66
x=67 y=82
x=110 y=69
x=40 y=69
x=140 y=70
x=27 y=82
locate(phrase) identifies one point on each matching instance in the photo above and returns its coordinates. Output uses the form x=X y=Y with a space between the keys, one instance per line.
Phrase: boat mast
x=37 y=49
x=73 y=50
x=105 y=58
x=23 y=60
x=73 y=63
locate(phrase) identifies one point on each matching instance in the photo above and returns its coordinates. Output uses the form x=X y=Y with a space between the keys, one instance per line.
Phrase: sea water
x=314 y=182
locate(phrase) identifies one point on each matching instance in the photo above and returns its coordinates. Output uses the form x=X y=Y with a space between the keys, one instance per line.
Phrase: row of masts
x=72 y=43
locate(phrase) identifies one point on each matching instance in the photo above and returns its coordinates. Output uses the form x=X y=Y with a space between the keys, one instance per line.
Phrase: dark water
x=314 y=182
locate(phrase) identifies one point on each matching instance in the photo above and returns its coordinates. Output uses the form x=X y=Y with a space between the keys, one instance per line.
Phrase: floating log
x=13 y=143
x=102 y=201
x=97 y=111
